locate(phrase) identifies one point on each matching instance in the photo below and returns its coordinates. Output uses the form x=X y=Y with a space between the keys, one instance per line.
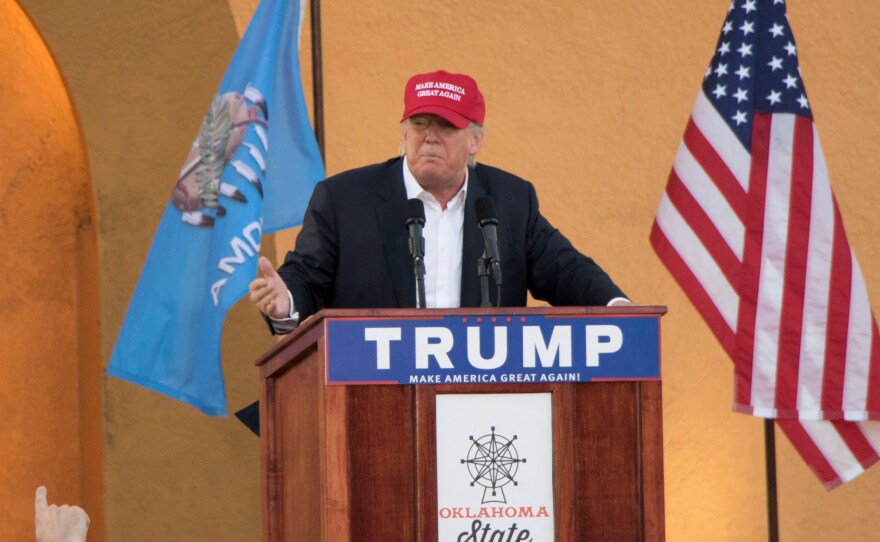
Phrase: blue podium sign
x=492 y=349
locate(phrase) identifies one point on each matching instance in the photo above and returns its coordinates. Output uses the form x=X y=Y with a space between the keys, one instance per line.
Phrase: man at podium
x=354 y=250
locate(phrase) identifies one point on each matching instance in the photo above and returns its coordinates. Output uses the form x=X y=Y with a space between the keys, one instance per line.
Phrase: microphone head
x=414 y=211
x=485 y=210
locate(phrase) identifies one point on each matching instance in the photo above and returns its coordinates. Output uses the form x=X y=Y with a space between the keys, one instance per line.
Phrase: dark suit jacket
x=353 y=250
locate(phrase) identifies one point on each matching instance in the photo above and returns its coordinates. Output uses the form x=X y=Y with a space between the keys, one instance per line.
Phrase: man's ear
x=477 y=137
x=401 y=147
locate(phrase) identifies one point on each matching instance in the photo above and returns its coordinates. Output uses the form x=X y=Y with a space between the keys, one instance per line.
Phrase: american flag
x=750 y=230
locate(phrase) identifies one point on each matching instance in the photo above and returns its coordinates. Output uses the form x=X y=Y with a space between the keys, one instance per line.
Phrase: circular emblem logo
x=492 y=462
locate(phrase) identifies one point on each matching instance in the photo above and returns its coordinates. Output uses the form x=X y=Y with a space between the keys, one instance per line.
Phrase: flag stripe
x=838 y=320
x=691 y=174
x=858 y=349
x=871 y=430
x=699 y=222
x=717 y=170
x=775 y=231
x=796 y=253
x=856 y=442
x=843 y=446
x=873 y=400
x=692 y=288
x=683 y=240
x=752 y=265
x=815 y=321
x=814 y=456
x=706 y=118
x=706 y=269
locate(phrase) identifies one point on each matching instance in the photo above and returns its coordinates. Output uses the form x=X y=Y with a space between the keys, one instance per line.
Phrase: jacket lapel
x=395 y=239
x=472 y=249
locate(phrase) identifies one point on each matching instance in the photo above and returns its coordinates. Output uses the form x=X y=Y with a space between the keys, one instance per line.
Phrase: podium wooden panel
x=358 y=462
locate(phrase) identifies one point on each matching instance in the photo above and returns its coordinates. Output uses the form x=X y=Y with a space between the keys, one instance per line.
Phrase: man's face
x=437 y=152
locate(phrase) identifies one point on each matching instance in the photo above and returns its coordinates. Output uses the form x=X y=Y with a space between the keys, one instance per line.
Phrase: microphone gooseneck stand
x=490 y=262
x=415 y=220
x=419 y=270
x=483 y=273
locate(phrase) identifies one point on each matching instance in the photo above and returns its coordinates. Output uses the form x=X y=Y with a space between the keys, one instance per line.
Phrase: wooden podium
x=358 y=462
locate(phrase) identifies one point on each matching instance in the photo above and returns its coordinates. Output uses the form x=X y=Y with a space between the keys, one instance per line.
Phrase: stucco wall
x=48 y=313
x=586 y=99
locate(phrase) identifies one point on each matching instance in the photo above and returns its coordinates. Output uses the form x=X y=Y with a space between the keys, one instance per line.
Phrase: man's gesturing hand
x=269 y=293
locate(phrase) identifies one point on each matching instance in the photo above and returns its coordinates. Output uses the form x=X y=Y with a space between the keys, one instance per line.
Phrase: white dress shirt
x=444 y=234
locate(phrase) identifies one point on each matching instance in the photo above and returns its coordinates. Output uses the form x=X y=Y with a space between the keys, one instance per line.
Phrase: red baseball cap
x=453 y=96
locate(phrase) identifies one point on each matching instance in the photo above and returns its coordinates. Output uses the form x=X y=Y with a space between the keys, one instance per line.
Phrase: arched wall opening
x=51 y=386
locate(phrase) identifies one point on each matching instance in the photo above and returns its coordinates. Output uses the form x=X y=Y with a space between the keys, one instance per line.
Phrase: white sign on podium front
x=495 y=467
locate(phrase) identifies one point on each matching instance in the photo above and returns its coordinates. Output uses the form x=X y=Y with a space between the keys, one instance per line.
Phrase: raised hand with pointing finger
x=59 y=523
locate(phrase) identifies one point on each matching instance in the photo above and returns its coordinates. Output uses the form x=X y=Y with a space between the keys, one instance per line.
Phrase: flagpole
x=317 y=75
x=770 y=464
